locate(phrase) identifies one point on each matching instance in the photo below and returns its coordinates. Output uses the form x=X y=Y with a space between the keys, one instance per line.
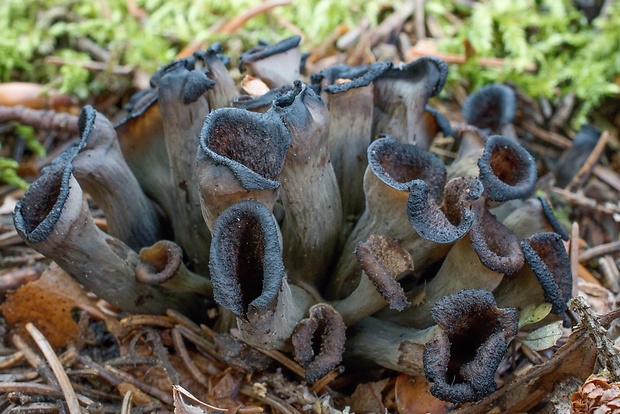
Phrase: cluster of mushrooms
x=313 y=215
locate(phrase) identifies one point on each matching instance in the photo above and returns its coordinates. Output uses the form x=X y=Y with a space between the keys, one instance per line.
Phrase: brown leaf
x=368 y=398
x=47 y=303
x=413 y=397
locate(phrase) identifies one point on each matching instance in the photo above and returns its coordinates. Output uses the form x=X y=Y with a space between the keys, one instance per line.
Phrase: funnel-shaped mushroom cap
x=276 y=64
x=491 y=107
x=496 y=245
x=470 y=344
x=252 y=145
x=398 y=165
x=246 y=259
x=401 y=95
x=35 y=221
x=451 y=221
x=318 y=341
x=547 y=257
x=507 y=170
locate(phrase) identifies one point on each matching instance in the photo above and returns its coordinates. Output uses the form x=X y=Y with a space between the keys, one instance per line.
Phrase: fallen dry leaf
x=413 y=397
x=47 y=302
x=368 y=398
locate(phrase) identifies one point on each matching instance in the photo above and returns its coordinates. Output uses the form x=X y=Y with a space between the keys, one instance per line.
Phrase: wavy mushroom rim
x=547 y=258
x=452 y=220
x=239 y=139
x=325 y=326
x=416 y=69
x=354 y=77
x=246 y=259
x=35 y=220
x=507 y=170
x=491 y=107
x=495 y=244
x=266 y=50
x=398 y=165
x=472 y=340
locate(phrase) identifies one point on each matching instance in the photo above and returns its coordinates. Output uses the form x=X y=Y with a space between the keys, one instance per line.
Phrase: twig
x=162 y=355
x=116 y=377
x=10 y=360
x=183 y=320
x=591 y=161
x=582 y=201
x=45 y=119
x=240 y=19
x=152 y=320
x=323 y=382
x=600 y=250
x=276 y=403
x=275 y=355
x=127 y=400
x=420 y=26
x=233 y=24
x=91 y=65
x=550 y=137
x=428 y=48
x=608 y=176
x=598 y=335
x=39 y=389
x=181 y=350
x=35 y=361
x=574 y=257
x=201 y=342
x=57 y=368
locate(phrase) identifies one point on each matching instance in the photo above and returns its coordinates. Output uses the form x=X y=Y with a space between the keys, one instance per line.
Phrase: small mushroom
x=101 y=170
x=384 y=261
x=492 y=109
x=469 y=345
x=401 y=95
x=574 y=157
x=318 y=341
x=309 y=187
x=504 y=167
x=277 y=64
x=546 y=278
x=249 y=279
x=392 y=169
x=53 y=218
x=162 y=265
x=240 y=157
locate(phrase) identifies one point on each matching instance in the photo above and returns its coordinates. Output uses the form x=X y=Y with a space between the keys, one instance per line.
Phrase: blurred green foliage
x=571 y=54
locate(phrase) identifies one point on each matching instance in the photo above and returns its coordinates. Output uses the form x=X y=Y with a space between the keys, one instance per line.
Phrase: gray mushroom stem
x=141 y=138
x=224 y=91
x=53 y=218
x=377 y=342
x=401 y=95
x=349 y=93
x=276 y=64
x=309 y=194
x=249 y=279
x=102 y=172
x=181 y=98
